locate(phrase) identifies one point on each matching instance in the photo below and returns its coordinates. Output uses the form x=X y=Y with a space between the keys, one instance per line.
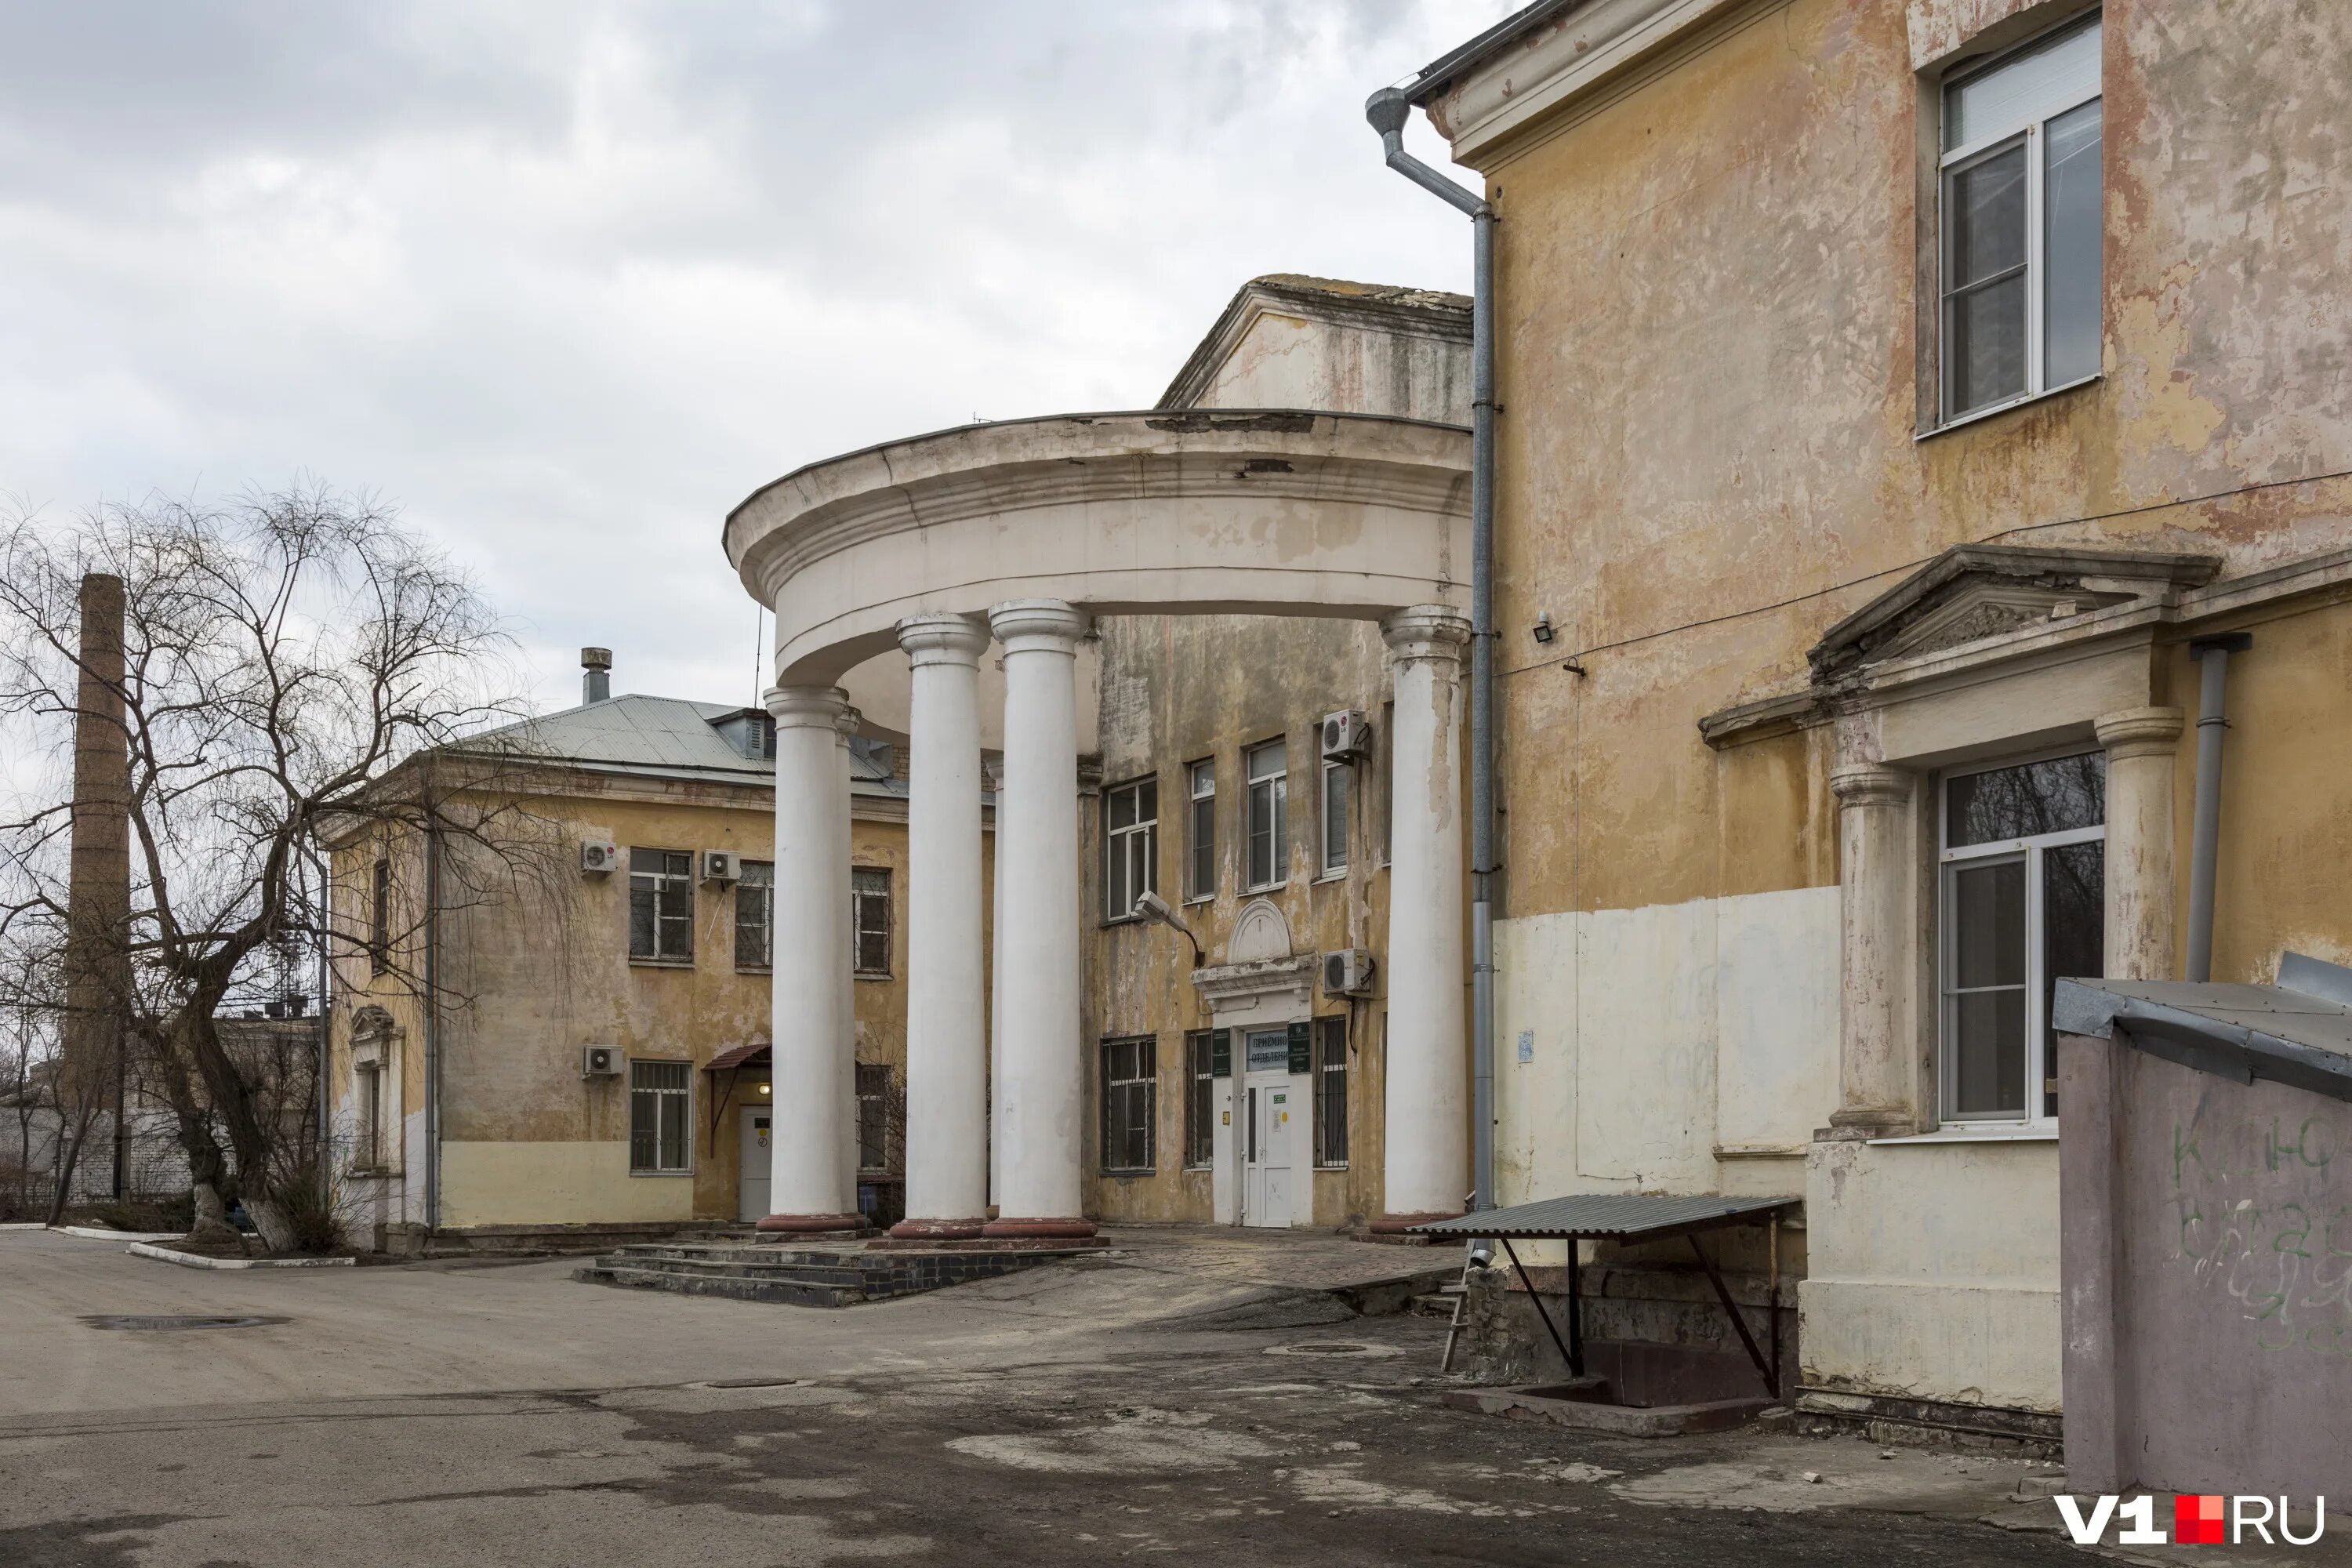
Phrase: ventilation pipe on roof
x=596 y=679
x=1388 y=109
x=2212 y=655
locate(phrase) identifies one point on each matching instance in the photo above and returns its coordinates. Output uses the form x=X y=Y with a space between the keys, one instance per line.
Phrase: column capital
x=1037 y=625
x=1426 y=631
x=806 y=707
x=846 y=723
x=2140 y=732
x=944 y=639
x=1870 y=783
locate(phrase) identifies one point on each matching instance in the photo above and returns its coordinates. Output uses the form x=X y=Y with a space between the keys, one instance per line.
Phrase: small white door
x=757 y=1163
x=1266 y=1131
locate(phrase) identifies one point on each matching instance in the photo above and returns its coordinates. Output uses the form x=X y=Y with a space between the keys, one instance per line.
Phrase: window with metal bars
x=1331 y=1092
x=661 y=1097
x=1129 y=1096
x=874 y=1116
x=755 y=905
x=1200 y=1098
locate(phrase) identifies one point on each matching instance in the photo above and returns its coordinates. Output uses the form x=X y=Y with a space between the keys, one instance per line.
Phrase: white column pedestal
x=1425 y=1171
x=947 y=1039
x=813 y=1106
x=1042 y=1105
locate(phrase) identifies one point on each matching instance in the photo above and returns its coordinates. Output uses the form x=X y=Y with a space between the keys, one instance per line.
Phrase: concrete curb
x=190 y=1260
x=96 y=1233
x=22 y=1225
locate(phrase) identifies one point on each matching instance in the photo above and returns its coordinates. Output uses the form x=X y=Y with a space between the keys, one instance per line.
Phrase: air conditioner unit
x=600 y=1061
x=720 y=866
x=600 y=856
x=1347 y=972
x=1346 y=736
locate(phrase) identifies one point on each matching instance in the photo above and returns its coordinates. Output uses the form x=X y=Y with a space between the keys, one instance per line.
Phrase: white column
x=1878 y=1078
x=996 y=994
x=813 y=1105
x=947 y=1039
x=1426 y=1170
x=2140 y=743
x=845 y=726
x=1042 y=1105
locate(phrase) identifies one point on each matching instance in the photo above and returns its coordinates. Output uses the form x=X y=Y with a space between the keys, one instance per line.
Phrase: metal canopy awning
x=1631 y=1217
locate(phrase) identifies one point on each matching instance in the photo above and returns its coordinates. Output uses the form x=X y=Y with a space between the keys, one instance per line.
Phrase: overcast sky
x=568 y=280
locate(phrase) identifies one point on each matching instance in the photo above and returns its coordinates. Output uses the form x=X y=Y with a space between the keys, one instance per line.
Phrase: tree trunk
x=207 y=1167
x=271 y=1221
x=211 y=1223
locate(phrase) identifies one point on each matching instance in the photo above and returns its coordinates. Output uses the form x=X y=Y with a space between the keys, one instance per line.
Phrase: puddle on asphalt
x=150 y=1324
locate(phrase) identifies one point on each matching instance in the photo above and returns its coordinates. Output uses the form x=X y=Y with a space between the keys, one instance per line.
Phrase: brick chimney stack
x=98 y=893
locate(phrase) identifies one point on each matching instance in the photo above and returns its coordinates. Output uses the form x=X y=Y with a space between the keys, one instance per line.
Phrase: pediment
x=1979 y=591
x=1261 y=934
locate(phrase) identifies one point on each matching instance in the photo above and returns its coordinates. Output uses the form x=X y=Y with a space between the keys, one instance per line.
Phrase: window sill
x=753 y=969
x=1199 y=898
x=871 y=974
x=1341 y=1166
x=1110 y=921
x=1266 y=888
x=1203 y=1165
x=635 y=963
x=661 y=1173
x=1961 y=1132
x=2020 y=401
x=1340 y=875
x=1130 y=1176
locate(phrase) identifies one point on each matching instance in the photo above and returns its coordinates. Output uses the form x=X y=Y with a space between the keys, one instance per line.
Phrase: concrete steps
x=801 y=1276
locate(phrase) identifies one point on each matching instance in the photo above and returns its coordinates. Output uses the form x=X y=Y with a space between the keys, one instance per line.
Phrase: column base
x=1392 y=1229
x=936 y=1229
x=1057 y=1229
x=1870 y=1121
x=787 y=1225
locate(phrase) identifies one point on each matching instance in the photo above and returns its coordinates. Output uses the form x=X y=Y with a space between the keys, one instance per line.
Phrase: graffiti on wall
x=2265 y=1214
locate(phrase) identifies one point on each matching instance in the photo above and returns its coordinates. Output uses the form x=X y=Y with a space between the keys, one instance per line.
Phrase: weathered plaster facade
x=1717 y=319
x=531 y=977
x=1175 y=688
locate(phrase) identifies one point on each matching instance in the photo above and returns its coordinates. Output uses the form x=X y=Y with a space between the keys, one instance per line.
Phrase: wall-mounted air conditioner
x=599 y=856
x=721 y=865
x=1347 y=972
x=600 y=1061
x=1347 y=736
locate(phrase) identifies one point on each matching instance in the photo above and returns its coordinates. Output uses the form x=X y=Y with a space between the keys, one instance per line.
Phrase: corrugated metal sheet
x=1622 y=1214
x=2243 y=1032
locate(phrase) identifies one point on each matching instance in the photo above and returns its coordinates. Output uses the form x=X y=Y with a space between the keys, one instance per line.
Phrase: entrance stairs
x=804 y=1276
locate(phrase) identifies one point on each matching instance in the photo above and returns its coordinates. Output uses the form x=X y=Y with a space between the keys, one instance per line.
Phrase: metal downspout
x=433 y=1029
x=2212 y=655
x=1388 y=109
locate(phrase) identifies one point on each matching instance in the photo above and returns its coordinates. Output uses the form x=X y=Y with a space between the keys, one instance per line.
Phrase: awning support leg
x=1772 y=1374
x=1575 y=1358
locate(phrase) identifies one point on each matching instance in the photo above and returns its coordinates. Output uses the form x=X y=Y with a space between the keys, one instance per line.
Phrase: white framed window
x=2024 y=896
x=1268 y=772
x=661 y=906
x=1201 y=830
x=1130 y=1096
x=1334 y=813
x=661 y=1098
x=755 y=910
x=870 y=915
x=1131 y=846
x=367 y=1143
x=2020 y=223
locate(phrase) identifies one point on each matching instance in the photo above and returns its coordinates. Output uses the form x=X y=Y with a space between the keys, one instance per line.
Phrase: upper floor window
x=1337 y=778
x=380 y=921
x=755 y=904
x=2024 y=896
x=2020 y=223
x=1131 y=846
x=661 y=905
x=1201 y=830
x=1270 y=814
x=869 y=911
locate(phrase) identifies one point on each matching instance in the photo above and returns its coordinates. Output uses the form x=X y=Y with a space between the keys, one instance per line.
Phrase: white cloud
x=569 y=281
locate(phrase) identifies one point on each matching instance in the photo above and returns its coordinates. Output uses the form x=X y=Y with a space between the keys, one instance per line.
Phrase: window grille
x=869 y=898
x=755 y=904
x=660 y=1106
x=1130 y=1085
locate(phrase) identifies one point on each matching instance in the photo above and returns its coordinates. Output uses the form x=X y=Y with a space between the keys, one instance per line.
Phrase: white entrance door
x=1265 y=1131
x=758 y=1162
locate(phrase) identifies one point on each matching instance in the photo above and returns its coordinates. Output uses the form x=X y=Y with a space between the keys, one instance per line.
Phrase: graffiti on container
x=2263 y=1216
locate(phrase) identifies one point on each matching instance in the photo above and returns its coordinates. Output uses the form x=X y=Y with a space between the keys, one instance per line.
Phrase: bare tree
x=284 y=656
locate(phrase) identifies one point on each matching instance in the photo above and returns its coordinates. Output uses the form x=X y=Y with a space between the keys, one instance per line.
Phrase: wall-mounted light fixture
x=1544 y=633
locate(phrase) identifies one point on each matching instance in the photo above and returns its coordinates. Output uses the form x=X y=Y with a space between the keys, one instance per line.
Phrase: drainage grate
x=105 y=1320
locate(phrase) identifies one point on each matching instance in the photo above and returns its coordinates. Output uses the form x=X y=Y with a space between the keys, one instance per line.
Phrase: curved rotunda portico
x=1028 y=530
